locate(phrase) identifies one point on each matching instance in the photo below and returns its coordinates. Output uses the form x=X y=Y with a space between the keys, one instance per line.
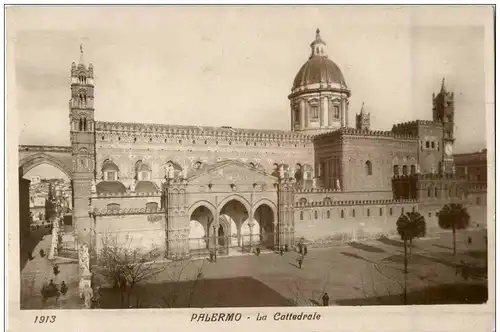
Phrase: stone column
x=302 y=114
x=324 y=112
x=343 y=120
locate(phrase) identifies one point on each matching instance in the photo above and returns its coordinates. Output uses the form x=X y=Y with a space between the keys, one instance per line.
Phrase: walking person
x=281 y=251
x=305 y=250
x=326 y=300
x=469 y=240
x=300 y=261
x=64 y=288
x=56 y=269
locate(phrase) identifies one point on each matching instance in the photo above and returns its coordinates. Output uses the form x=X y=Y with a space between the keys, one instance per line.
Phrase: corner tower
x=443 y=109
x=319 y=100
x=363 y=119
x=81 y=114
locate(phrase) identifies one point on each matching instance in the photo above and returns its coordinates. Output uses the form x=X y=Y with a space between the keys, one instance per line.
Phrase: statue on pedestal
x=93 y=187
x=337 y=184
x=291 y=173
x=281 y=172
x=84 y=259
x=132 y=185
x=314 y=183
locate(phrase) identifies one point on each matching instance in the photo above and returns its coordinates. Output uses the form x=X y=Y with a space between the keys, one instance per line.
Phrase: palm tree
x=454 y=216
x=410 y=225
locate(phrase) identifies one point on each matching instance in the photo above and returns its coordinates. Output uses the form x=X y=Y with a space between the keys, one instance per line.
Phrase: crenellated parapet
x=45 y=148
x=126 y=195
x=318 y=191
x=357 y=133
x=156 y=132
x=125 y=211
x=325 y=203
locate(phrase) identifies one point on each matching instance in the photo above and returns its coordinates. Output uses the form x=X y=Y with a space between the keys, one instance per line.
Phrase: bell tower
x=363 y=119
x=81 y=114
x=443 y=108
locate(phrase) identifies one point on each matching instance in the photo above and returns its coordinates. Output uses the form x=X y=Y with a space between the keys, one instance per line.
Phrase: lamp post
x=215 y=243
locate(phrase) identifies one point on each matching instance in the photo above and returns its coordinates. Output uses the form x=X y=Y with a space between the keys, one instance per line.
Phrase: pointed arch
x=28 y=163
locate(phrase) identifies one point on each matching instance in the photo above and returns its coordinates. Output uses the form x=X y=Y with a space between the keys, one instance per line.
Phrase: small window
x=315 y=214
x=478 y=200
x=433 y=145
x=430 y=214
x=151 y=207
x=314 y=113
x=342 y=214
x=113 y=207
x=412 y=169
x=367 y=212
x=301 y=215
x=395 y=170
x=354 y=213
x=437 y=214
x=390 y=211
x=436 y=192
x=328 y=214
x=368 y=167
x=429 y=192
x=380 y=212
x=336 y=111
x=405 y=170
x=427 y=144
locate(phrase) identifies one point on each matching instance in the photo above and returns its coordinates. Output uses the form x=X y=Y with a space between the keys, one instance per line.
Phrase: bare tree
x=125 y=266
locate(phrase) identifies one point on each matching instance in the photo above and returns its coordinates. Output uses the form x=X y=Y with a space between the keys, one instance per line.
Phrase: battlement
x=117 y=212
x=45 y=148
x=329 y=202
x=365 y=133
x=128 y=194
x=193 y=132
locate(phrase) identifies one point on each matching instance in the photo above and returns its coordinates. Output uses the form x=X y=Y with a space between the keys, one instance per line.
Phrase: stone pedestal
x=85 y=279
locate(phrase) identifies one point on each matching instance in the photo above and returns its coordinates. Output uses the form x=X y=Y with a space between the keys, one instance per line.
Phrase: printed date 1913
x=45 y=319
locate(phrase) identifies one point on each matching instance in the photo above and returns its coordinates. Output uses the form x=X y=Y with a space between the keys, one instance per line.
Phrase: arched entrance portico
x=236 y=233
x=265 y=217
x=201 y=219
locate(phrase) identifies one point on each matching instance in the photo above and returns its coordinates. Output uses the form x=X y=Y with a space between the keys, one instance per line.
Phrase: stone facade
x=189 y=190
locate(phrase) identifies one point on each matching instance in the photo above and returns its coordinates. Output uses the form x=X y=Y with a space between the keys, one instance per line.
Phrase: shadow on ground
x=365 y=247
x=442 y=294
x=352 y=255
x=441 y=246
x=30 y=243
x=206 y=293
x=391 y=242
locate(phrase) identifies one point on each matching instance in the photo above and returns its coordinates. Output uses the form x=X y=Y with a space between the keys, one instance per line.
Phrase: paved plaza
x=358 y=273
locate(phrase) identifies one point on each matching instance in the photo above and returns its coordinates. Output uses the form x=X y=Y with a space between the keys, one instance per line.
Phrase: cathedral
x=189 y=190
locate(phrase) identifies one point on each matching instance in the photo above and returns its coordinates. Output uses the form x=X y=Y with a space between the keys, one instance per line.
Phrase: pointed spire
x=443 y=88
x=81 y=61
x=363 y=108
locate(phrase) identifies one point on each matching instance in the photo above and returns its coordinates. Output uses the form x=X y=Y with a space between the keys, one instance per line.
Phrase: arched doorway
x=233 y=218
x=264 y=216
x=199 y=231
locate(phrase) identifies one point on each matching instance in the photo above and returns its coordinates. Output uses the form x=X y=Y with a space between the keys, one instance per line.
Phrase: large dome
x=318 y=69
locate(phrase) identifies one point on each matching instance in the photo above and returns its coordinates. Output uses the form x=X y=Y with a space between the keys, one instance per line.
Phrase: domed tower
x=320 y=96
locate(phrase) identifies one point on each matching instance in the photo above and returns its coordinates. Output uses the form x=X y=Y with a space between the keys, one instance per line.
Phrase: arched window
x=395 y=170
x=381 y=212
x=412 y=169
x=435 y=192
x=151 y=207
x=315 y=214
x=429 y=192
x=301 y=215
x=354 y=213
x=367 y=212
x=328 y=214
x=113 y=207
x=342 y=213
x=368 y=167
x=402 y=210
x=143 y=172
x=303 y=200
x=390 y=211
x=405 y=169
x=110 y=171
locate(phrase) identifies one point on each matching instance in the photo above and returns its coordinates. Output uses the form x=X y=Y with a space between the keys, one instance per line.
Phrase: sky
x=234 y=66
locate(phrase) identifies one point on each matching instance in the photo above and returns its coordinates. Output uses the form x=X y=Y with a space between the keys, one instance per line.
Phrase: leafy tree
x=454 y=216
x=410 y=225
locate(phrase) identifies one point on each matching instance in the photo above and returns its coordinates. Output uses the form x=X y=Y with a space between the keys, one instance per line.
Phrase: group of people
x=51 y=290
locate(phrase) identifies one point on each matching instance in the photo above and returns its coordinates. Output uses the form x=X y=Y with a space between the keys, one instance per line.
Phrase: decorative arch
x=268 y=202
x=28 y=163
x=368 y=168
x=237 y=198
x=205 y=204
